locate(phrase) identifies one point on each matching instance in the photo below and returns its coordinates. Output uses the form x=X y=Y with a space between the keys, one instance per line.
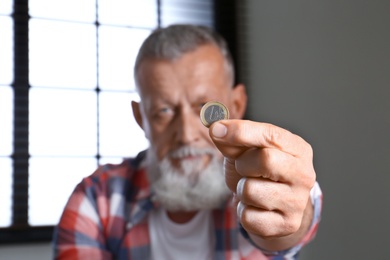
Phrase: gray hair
x=171 y=42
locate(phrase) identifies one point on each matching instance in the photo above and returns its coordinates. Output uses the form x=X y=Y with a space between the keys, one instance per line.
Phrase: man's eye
x=165 y=110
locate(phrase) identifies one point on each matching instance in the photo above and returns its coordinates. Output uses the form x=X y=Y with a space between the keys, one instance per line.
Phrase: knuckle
x=273 y=135
x=309 y=178
x=292 y=224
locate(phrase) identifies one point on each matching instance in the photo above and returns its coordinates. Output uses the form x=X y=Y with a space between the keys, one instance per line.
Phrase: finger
x=266 y=224
x=233 y=137
x=268 y=163
x=272 y=196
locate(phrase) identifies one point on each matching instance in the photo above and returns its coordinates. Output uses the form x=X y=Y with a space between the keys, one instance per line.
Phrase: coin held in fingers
x=213 y=111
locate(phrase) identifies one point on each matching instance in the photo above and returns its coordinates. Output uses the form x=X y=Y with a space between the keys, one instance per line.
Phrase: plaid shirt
x=106 y=218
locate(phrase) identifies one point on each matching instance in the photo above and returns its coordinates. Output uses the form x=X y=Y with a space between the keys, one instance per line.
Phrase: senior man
x=237 y=190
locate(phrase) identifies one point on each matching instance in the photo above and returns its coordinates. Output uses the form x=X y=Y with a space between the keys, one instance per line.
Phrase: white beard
x=192 y=187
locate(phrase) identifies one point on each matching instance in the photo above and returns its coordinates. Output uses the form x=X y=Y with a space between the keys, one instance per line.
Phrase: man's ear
x=137 y=113
x=239 y=101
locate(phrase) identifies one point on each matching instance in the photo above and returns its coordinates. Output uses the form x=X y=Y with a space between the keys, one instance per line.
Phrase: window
x=66 y=87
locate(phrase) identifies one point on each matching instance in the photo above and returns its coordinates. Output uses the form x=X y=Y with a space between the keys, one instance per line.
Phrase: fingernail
x=219 y=130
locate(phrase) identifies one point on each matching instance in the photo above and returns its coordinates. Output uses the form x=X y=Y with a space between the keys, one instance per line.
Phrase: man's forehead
x=201 y=72
x=210 y=48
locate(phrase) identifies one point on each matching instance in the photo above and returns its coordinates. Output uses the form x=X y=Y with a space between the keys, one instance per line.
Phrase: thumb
x=233 y=137
x=220 y=135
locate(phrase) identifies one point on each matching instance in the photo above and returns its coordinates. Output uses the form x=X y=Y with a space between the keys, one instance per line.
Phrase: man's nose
x=187 y=127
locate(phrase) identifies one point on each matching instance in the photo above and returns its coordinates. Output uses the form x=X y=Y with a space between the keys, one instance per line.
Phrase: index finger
x=233 y=137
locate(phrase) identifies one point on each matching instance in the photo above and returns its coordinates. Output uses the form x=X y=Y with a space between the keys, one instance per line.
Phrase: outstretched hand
x=270 y=171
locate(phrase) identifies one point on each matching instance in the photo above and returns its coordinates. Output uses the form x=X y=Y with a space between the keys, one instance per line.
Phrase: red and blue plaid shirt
x=106 y=218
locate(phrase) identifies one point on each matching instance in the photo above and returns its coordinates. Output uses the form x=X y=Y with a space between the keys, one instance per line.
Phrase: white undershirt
x=191 y=240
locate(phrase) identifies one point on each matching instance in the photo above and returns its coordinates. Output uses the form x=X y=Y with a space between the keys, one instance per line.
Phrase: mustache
x=185 y=151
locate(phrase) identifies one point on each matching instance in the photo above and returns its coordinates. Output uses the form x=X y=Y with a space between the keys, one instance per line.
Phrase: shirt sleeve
x=292 y=253
x=79 y=234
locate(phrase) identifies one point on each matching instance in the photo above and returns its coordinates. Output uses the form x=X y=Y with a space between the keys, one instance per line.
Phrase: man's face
x=172 y=94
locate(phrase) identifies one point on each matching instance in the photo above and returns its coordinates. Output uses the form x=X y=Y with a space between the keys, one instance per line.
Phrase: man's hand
x=270 y=171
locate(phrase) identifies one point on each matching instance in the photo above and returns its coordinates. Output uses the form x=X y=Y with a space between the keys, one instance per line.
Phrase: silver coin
x=213 y=111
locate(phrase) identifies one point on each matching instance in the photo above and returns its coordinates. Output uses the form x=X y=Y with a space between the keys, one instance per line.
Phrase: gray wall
x=322 y=70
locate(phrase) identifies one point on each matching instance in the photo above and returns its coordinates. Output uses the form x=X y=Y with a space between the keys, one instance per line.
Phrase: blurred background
x=318 y=68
